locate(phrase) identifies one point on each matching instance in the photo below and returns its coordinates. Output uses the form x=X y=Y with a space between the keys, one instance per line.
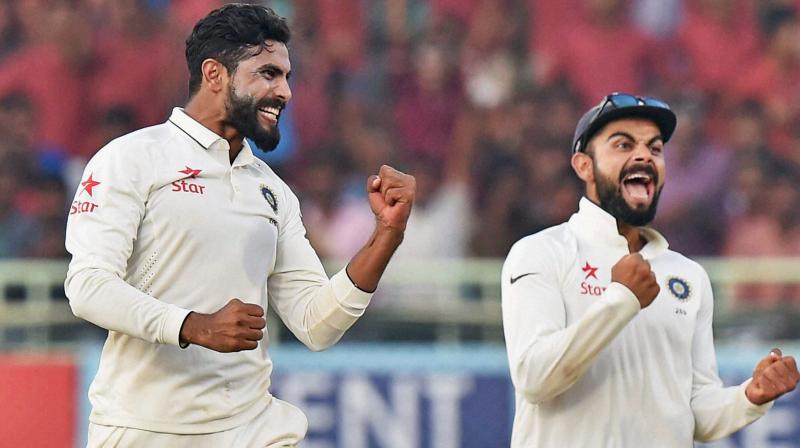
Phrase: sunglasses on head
x=621 y=100
x=616 y=101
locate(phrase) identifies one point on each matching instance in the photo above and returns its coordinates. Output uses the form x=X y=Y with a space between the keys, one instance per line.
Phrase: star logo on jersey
x=590 y=271
x=89 y=184
x=190 y=172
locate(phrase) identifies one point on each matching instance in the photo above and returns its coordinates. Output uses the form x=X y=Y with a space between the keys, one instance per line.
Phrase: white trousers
x=279 y=425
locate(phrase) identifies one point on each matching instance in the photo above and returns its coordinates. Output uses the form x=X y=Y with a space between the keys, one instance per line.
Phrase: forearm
x=720 y=411
x=552 y=363
x=330 y=312
x=366 y=267
x=107 y=301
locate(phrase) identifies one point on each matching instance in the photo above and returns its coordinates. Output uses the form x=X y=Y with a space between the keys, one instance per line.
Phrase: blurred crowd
x=477 y=98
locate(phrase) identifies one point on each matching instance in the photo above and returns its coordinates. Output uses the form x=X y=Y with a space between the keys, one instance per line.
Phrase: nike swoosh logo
x=514 y=279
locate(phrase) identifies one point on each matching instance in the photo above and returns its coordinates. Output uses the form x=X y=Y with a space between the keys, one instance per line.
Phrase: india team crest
x=270 y=197
x=679 y=288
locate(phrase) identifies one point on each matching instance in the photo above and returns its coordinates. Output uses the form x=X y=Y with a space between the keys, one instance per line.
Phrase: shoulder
x=682 y=263
x=546 y=247
x=135 y=146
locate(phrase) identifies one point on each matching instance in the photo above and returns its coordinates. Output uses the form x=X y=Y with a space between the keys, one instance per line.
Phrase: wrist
x=749 y=395
x=389 y=234
x=183 y=335
x=190 y=330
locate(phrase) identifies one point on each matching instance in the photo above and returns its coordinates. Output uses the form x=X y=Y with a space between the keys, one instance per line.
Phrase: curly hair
x=231 y=34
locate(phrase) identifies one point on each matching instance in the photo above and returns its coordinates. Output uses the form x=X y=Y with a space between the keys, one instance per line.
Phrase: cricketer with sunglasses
x=608 y=331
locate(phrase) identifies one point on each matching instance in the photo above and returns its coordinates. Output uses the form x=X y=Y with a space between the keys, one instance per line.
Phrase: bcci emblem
x=270 y=197
x=679 y=288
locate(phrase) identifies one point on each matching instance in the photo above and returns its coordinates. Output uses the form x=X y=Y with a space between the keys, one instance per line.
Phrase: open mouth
x=639 y=187
x=271 y=113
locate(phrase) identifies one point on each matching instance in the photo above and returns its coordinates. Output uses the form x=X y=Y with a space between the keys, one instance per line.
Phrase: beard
x=242 y=114
x=612 y=201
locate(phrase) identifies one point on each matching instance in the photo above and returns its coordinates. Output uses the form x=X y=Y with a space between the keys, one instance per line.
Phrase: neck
x=632 y=234
x=212 y=117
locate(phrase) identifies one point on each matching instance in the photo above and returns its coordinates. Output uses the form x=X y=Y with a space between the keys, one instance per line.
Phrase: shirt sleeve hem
x=173 y=321
x=348 y=295
x=752 y=408
x=619 y=295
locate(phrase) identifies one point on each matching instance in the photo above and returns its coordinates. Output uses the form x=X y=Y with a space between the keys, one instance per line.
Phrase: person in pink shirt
x=51 y=70
x=131 y=55
x=605 y=52
x=774 y=79
x=705 y=37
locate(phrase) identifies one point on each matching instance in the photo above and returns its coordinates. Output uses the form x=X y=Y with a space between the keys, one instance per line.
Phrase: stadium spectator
x=428 y=98
x=766 y=229
x=698 y=172
x=774 y=78
x=129 y=60
x=585 y=56
x=51 y=70
x=10 y=33
x=18 y=233
x=706 y=35
x=335 y=221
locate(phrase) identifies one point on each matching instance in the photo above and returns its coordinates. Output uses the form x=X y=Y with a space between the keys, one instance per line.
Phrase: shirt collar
x=202 y=135
x=207 y=138
x=595 y=225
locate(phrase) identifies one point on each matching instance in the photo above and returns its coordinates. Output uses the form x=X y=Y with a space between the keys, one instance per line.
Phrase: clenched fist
x=634 y=272
x=774 y=376
x=235 y=327
x=391 y=194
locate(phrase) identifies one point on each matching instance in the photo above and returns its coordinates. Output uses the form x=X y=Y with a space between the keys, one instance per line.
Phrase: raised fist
x=634 y=272
x=774 y=376
x=391 y=195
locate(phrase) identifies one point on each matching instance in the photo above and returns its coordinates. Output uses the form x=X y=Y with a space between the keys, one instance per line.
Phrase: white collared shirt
x=163 y=224
x=589 y=367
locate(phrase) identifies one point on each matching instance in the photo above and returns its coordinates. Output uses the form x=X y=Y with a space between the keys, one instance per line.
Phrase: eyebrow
x=624 y=134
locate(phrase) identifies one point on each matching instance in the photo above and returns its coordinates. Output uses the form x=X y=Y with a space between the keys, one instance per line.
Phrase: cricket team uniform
x=589 y=367
x=164 y=224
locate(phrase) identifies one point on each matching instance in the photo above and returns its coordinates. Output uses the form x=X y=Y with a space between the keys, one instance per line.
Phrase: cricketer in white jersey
x=180 y=237
x=608 y=331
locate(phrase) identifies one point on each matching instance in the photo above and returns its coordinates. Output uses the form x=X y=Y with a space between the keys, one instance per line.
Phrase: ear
x=215 y=75
x=583 y=164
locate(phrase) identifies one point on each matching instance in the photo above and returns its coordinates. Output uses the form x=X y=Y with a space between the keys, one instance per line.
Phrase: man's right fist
x=634 y=272
x=235 y=327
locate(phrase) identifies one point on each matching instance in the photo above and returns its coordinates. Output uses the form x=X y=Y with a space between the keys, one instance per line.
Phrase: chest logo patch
x=85 y=206
x=679 y=288
x=191 y=172
x=590 y=271
x=189 y=187
x=587 y=288
x=89 y=184
x=270 y=197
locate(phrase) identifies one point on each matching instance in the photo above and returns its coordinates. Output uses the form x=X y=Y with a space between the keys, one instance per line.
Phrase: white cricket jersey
x=590 y=369
x=163 y=224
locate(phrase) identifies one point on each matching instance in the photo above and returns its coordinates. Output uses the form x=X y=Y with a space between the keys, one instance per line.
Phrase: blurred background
x=478 y=99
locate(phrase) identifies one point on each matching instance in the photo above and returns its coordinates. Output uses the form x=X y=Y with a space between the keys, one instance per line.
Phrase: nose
x=283 y=91
x=642 y=153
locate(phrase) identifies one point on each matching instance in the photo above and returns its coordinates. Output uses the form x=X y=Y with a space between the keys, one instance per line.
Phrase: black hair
x=231 y=34
x=775 y=17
